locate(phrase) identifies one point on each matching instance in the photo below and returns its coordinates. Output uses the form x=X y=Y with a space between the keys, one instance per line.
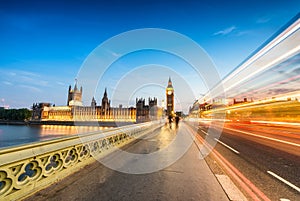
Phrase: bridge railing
x=29 y=168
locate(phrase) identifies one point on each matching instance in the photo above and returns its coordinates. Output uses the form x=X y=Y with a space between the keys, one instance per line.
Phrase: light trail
x=276 y=122
x=278 y=49
x=264 y=137
x=268 y=47
x=272 y=85
x=277 y=60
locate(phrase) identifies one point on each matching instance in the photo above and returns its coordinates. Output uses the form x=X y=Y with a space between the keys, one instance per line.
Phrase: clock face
x=169 y=92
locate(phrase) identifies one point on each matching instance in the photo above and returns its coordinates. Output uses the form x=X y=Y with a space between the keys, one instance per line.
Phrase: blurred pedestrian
x=177 y=120
x=170 y=121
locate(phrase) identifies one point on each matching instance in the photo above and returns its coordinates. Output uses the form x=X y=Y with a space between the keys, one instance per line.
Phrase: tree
x=15 y=114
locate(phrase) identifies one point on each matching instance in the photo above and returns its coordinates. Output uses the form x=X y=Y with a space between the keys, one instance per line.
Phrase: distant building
x=142 y=110
x=170 y=98
x=245 y=100
x=75 y=111
x=153 y=108
x=38 y=112
x=74 y=96
x=147 y=112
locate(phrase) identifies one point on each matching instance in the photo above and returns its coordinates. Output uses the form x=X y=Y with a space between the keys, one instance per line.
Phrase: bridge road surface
x=262 y=148
x=189 y=178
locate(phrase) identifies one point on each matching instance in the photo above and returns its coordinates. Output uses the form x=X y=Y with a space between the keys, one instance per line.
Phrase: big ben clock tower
x=170 y=98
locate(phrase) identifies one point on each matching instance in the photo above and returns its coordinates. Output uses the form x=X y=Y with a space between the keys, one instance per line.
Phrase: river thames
x=13 y=135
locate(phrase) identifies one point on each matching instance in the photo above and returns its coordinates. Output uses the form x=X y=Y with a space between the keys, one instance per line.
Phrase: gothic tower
x=74 y=96
x=170 y=98
x=105 y=102
x=93 y=103
x=69 y=95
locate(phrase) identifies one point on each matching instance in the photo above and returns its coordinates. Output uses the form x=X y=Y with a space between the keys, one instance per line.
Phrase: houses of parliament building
x=76 y=111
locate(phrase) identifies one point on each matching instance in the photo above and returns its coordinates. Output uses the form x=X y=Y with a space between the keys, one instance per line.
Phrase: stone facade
x=75 y=111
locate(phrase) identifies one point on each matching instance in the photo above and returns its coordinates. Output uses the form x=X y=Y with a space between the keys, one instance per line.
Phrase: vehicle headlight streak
x=266 y=58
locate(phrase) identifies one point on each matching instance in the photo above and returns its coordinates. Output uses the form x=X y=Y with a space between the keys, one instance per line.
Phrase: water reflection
x=12 y=135
x=67 y=130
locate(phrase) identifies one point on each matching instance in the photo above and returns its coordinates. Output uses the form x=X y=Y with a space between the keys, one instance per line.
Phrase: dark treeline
x=15 y=114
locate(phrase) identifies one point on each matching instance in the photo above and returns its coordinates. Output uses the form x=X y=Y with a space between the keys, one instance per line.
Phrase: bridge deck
x=189 y=178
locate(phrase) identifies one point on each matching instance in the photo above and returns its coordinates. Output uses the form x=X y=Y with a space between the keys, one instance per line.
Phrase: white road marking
x=284 y=181
x=284 y=199
x=269 y=138
x=229 y=147
x=204 y=132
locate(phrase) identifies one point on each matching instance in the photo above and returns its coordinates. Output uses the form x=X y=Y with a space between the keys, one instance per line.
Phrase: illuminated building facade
x=75 y=111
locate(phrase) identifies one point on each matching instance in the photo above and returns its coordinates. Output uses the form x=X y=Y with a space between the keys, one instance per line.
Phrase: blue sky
x=44 y=43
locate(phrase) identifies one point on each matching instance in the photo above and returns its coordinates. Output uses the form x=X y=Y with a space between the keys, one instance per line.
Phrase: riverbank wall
x=69 y=123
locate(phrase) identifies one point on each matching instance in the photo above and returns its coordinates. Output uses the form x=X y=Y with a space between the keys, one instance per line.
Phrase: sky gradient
x=44 y=43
